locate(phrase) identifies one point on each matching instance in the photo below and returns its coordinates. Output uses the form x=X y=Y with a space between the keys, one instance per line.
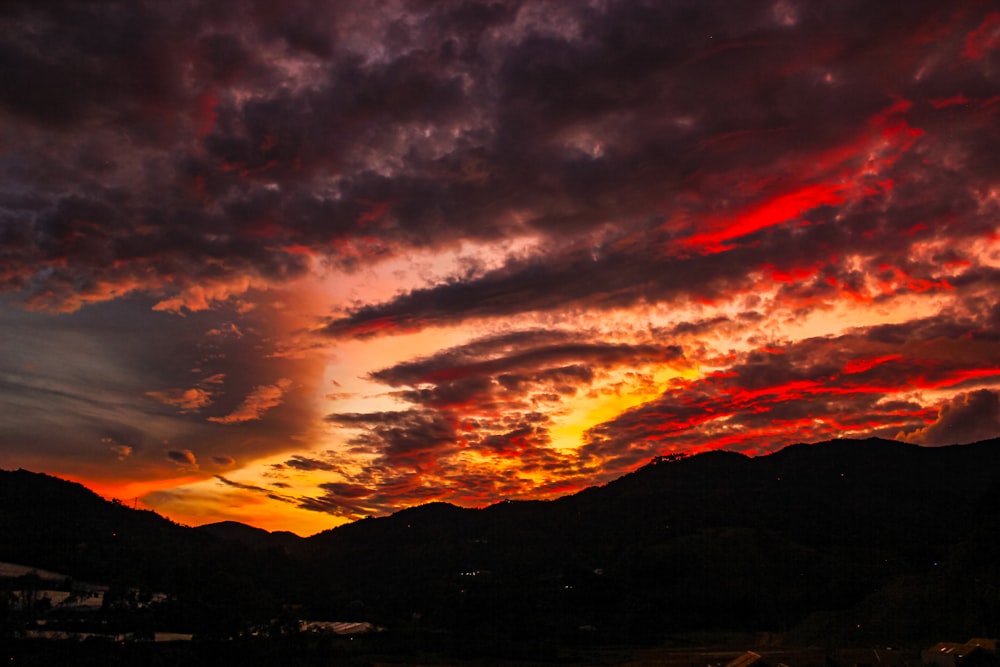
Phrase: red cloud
x=862 y=365
x=814 y=389
x=985 y=37
x=778 y=210
x=207 y=113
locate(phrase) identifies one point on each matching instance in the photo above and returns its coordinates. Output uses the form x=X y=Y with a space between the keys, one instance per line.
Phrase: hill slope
x=257 y=538
x=214 y=586
x=845 y=540
x=717 y=540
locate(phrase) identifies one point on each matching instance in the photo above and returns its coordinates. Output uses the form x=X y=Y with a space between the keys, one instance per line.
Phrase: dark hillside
x=214 y=587
x=842 y=541
x=717 y=540
x=249 y=536
x=63 y=526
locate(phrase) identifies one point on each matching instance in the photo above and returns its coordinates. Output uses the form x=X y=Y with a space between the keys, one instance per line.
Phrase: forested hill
x=853 y=540
x=812 y=537
x=63 y=526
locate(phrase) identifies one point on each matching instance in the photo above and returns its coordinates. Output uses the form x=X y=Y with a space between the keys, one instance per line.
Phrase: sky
x=298 y=263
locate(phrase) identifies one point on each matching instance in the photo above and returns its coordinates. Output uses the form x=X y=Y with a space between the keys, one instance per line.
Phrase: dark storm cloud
x=564 y=379
x=622 y=272
x=595 y=278
x=522 y=350
x=923 y=198
x=69 y=60
x=515 y=443
x=183 y=457
x=478 y=392
x=355 y=501
x=241 y=485
x=967 y=418
x=251 y=488
x=628 y=272
x=202 y=142
x=409 y=438
x=128 y=85
x=307 y=463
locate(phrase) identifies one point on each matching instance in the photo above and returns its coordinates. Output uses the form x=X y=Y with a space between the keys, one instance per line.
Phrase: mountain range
x=847 y=542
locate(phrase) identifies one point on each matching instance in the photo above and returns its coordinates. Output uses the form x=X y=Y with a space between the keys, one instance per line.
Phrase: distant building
x=339 y=627
x=877 y=657
x=976 y=651
x=748 y=659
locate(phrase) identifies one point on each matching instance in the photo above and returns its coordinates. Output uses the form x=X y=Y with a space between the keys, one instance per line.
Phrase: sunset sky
x=295 y=263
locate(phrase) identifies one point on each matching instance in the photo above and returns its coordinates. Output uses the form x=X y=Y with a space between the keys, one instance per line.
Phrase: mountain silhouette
x=258 y=538
x=849 y=541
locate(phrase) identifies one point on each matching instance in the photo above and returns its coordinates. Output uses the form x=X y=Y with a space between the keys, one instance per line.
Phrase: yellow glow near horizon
x=601 y=406
x=208 y=501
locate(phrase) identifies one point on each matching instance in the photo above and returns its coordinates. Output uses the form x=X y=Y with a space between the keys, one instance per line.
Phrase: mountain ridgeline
x=848 y=542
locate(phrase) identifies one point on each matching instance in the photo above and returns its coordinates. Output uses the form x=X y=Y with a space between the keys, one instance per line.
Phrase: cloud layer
x=533 y=244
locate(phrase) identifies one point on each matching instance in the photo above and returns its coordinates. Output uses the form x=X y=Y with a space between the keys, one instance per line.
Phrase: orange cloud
x=188 y=400
x=122 y=452
x=259 y=401
x=203 y=296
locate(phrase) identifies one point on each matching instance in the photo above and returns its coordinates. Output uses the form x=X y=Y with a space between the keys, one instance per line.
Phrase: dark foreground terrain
x=864 y=544
x=315 y=651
